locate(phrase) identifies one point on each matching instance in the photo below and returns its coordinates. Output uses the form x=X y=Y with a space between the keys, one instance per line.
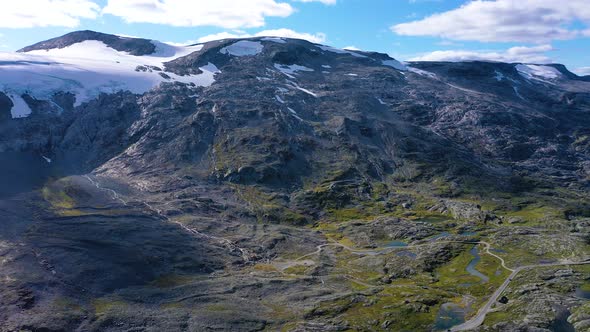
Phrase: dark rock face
x=134 y=46
x=5 y=107
x=83 y=139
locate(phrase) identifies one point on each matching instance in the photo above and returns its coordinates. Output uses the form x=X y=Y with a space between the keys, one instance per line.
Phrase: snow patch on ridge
x=539 y=72
x=89 y=68
x=421 y=72
x=274 y=40
x=292 y=111
x=291 y=70
x=243 y=48
x=20 y=108
x=296 y=86
x=339 y=51
x=395 y=64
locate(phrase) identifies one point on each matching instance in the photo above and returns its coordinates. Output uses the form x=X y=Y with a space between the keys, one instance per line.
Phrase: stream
x=471 y=267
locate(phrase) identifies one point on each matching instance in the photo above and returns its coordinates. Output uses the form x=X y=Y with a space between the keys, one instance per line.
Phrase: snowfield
x=339 y=51
x=277 y=40
x=538 y=72
x=290 y=70
x=20 y=109
x=421 y=72
x=395 y=64
x=243 y=48
x=89 y=68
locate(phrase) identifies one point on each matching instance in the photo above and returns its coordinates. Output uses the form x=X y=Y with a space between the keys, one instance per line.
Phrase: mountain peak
x=133 y=46
x=257 y=183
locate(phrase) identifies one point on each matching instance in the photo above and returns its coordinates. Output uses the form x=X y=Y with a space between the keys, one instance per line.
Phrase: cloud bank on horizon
x=524 y=21
x=286 y=33
x=534 y=54
x=495 y=30
x=534 y=21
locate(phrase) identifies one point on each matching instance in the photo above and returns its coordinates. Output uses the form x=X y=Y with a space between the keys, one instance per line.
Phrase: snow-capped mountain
x=87 y=63
x=88 y=67
x=271 y=183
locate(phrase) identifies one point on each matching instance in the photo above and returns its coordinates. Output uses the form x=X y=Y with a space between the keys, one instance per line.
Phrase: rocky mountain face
x=272 y=183
x=133 y=46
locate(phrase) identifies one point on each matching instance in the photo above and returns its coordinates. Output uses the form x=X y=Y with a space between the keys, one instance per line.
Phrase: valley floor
x=95 y=255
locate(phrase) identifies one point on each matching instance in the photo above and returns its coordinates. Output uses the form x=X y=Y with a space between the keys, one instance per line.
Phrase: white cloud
x=351 y=48
x=287 y=33
x=535 y=21
x=218 y=36
x=583 y=71
x=230 y=14
x=325 y=2
x=45 y=13
x=522 y=54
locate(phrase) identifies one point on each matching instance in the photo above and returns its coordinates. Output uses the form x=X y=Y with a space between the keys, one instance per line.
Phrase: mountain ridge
x=135 y=46
x=140 y=46
x=273 y=183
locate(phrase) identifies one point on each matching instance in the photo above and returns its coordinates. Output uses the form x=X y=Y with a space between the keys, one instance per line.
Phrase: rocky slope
x=133 y=46
x=259 y=183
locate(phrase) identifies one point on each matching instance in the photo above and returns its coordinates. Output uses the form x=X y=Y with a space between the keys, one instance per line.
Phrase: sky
x=530 y=31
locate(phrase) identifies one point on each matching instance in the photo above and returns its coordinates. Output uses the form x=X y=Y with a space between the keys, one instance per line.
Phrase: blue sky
x=500 y=30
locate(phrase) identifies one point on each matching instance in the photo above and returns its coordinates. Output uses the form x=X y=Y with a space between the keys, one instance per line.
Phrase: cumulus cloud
x=230 y=14
x=522 y=54
x=534 y=21
x=351 y=48
x=45 y=13
x=287 y=33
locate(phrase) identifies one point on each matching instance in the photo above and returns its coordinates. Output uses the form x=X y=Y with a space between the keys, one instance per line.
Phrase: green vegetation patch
x=172 y=280
x=105 y=305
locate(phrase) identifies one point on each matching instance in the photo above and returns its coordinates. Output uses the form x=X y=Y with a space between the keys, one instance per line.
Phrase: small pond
x=561 y=324
x=396 y=244
x=583 y=293
x=449 y=315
